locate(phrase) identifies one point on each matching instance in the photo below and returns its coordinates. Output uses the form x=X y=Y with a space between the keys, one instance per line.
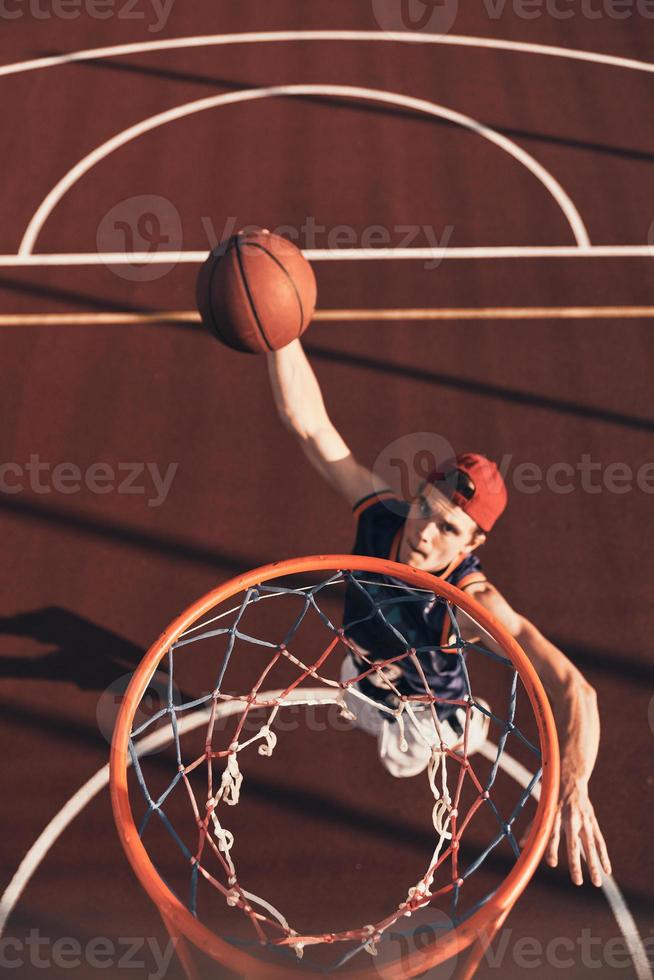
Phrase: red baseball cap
x=474 y=484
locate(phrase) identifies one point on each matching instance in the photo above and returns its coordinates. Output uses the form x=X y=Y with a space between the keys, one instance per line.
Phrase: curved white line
x=268 y=37
x=612 y=893
x=348 y=91
x=39 y=849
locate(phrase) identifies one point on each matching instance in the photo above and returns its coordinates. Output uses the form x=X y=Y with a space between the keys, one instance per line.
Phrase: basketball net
x=218 y=635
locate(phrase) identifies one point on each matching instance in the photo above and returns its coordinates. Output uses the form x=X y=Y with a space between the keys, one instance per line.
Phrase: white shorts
x=410 y=755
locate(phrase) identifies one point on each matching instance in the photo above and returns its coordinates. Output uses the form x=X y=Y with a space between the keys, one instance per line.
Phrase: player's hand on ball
x=256 y=292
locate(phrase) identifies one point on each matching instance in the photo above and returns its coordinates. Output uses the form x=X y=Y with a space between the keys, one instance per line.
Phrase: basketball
x=256 y=292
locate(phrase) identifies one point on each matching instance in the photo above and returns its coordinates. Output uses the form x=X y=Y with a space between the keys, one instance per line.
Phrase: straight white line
x=83 y=166
x=473 y=252
x=401 y=314
x=270 y=37
x=485 y=252
x=62 y=820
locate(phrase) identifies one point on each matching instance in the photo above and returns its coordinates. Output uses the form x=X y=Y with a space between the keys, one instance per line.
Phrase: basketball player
x=439 y=532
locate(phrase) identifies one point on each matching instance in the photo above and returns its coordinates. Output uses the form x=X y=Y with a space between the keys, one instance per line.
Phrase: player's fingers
x=572 y=829
x=552 y=853
x=605 y=860
x=588 y=840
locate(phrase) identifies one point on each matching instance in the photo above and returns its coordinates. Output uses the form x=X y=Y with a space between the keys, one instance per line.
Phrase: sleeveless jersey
x=421 y=620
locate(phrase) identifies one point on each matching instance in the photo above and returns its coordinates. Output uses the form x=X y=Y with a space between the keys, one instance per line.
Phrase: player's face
x=436 y=531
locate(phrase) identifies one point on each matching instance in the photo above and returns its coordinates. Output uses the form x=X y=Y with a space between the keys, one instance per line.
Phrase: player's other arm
x=302 y=410
x=574 y=704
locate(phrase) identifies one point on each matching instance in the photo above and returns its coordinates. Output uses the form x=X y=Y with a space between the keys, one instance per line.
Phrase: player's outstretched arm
x=574 y=704
x=302 y=410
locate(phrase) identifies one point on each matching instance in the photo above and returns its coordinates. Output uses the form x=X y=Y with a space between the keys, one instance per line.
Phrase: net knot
x=298 y=948
x=224 y=837
x=232 y=897
x=230 y=784
x=418 y=896
x=441 y=818
x=373 y=940
x=270 y=741
x=344 y=711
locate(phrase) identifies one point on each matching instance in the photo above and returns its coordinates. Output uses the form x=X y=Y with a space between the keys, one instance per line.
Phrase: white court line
x=270 y=37
x=474 y=252
x=62 y=820
x=550 y=183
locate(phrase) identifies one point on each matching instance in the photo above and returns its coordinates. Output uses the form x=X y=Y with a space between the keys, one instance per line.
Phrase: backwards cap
x=474 y=484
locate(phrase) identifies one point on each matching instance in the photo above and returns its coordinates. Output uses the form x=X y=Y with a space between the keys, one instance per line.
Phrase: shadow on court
x=509 y=395
x=88 y=655
x=209 y=81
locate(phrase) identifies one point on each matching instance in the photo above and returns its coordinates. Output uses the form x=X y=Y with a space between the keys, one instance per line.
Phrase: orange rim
x=481 y=923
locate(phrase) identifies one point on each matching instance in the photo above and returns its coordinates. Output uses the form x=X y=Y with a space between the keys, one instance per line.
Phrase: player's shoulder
x=470 y=575
x=379 y=502
x=379 y=519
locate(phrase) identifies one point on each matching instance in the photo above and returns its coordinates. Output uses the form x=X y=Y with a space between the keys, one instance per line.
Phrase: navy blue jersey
x=420 y=620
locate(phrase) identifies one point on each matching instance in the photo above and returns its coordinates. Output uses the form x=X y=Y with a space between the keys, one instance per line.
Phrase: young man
x=439 y=532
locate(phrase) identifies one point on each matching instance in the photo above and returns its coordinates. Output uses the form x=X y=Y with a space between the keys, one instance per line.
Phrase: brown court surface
x=90 y=579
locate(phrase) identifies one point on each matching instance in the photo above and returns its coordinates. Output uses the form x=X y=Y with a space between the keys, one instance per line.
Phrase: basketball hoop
x=278 y=615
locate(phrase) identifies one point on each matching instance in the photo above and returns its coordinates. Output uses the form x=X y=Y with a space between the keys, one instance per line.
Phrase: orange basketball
x=256 y=292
